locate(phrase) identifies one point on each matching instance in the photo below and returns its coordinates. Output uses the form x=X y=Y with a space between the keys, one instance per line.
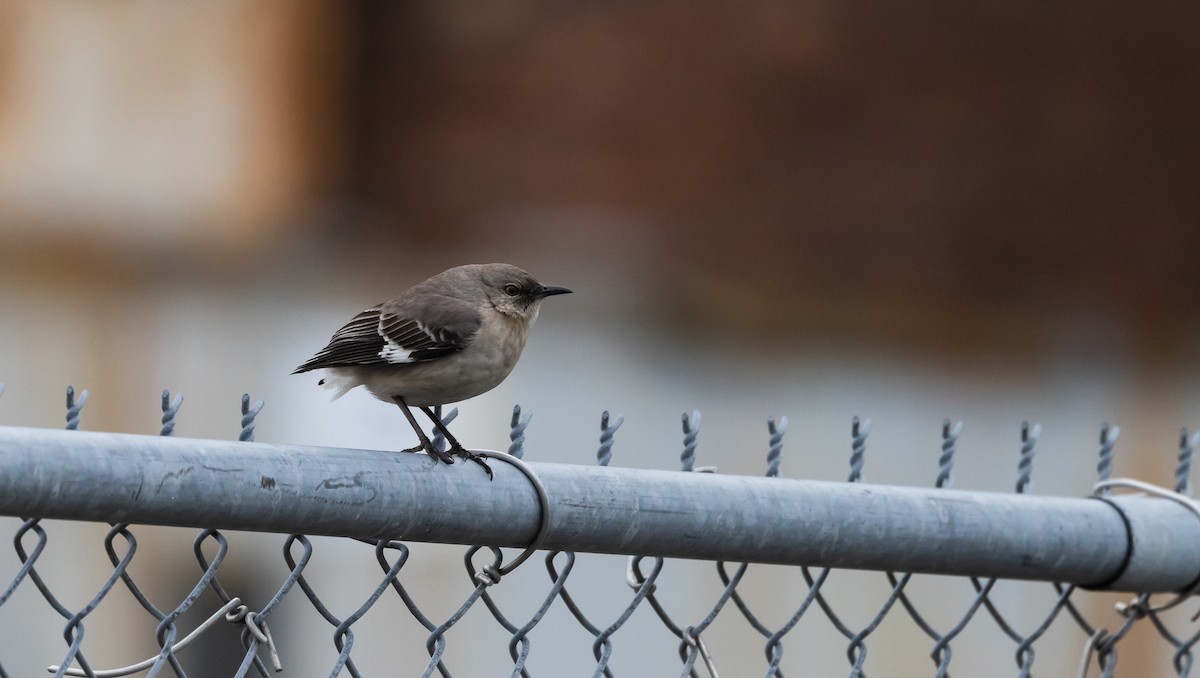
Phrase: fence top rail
x=1125 y=543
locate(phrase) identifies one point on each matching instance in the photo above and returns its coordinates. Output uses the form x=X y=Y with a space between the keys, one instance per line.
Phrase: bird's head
x=514 y=292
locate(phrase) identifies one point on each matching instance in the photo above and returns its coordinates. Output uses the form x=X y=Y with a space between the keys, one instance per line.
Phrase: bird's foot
x=461 y=451
x=428 y=448
x=447 y=456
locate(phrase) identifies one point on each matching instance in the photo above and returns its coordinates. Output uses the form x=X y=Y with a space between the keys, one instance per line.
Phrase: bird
x=449 y=338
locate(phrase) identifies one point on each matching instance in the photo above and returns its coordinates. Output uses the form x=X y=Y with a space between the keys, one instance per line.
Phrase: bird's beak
x=551 y=290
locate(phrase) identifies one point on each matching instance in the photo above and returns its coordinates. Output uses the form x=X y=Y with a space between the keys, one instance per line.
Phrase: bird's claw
x=447 y=457
x=473 y=456
x=428 y=448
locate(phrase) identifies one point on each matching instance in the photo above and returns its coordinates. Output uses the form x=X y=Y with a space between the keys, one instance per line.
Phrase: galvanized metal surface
x=380 y=495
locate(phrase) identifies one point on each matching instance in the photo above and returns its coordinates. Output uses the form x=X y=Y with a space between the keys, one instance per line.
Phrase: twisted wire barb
x=516 y=434
x=249 y=418
x=1025 y=654
x=941 y=652
x=73 y=632
x=169 y=410
x=1183 y=468
x=946 y=460
x=75 y=407
x=634 y=577
x=691 y=645
x=1108 y=440
x=774 y=644
x=1029 y=438
x=607 y=433
x=601 y=644
x=691 y=431
x=490 y=574
x=856 y=652
x=166 y=630
x=1096 y=636
x=858 y=432
x=254 y=629
x=775 y=446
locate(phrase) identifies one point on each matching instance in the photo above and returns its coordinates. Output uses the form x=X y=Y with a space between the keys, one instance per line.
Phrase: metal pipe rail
x=1126 y=543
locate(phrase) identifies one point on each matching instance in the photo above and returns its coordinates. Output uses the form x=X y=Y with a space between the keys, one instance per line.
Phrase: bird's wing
x=405 y=330
x=358 y=342
x=426 y=327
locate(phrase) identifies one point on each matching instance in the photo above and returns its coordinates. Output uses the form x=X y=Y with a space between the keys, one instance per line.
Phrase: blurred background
x=987 y=212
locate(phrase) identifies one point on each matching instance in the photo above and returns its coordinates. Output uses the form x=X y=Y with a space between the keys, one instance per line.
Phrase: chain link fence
x=253 y=603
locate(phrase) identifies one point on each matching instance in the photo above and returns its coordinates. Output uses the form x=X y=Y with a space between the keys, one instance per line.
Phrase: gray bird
x=449 y=338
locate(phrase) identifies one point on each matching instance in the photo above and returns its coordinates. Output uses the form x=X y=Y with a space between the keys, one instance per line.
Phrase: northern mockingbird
x=449 y=338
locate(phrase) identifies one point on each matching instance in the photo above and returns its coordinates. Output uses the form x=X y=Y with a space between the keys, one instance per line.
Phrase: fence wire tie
x=489 y=574
x=1089 y=648
x=1137 y=606
x=257 y=628
x=225 y=610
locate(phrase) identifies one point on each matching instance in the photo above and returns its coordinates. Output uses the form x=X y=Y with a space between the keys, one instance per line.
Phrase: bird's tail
x=338 y=383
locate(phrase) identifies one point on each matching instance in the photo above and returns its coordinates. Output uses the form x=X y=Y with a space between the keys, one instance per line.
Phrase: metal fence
x=848 y=565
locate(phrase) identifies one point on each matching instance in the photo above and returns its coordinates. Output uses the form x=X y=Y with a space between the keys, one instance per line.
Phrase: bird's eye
x=512 y=290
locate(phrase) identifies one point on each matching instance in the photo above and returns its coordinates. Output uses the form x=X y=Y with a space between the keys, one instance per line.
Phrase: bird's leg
x=426 y=445
x=455 y=446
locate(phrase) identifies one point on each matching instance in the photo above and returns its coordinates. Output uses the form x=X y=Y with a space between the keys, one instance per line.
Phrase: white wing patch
x=397 y=354
x=394 y=354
